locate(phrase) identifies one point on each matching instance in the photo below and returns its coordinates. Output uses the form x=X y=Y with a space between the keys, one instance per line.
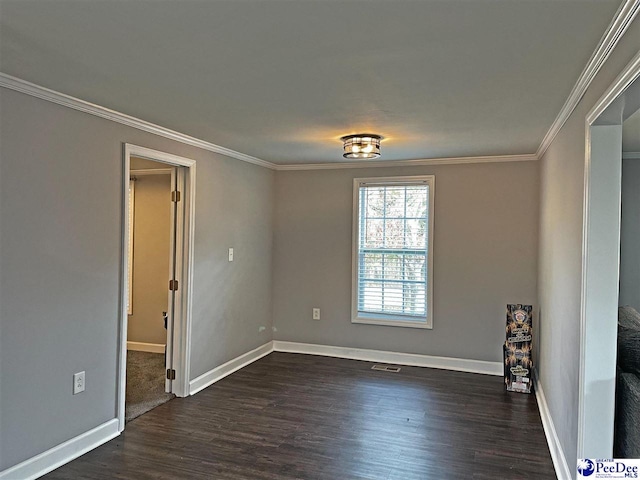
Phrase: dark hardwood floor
x=291 y=416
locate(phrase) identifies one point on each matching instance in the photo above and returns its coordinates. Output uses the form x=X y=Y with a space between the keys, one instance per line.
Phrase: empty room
x=319 y=239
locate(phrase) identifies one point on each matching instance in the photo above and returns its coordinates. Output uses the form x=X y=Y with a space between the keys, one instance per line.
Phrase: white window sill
x=390 y=321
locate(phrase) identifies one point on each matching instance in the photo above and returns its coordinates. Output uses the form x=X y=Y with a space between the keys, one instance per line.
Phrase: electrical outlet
x=316 y=314
x=231 y=254
x=78 y=382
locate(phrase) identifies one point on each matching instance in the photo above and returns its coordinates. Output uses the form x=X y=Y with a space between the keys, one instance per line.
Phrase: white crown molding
x=22 y=86
x=408 y=163
x=398 y=358
x=621 y=21
x=57 y=456
x=619 y=85
x=616 y=29
x=630 y=155
x=28 y=88
x=555 y=447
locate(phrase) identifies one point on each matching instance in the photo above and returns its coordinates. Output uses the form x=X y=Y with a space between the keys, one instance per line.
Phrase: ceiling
x=282 y=80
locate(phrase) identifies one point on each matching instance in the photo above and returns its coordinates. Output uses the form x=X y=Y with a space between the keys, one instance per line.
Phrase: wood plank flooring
x=291 y=416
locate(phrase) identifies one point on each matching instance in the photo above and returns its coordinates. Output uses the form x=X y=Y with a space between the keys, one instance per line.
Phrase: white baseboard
x=218 y=373
x=65 y=452
x=446 y=363
x=146 y=347
x=411 y=359
x=557 y=454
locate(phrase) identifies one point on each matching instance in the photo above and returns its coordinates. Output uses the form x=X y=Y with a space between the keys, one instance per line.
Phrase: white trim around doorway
x=184 y=272
x=600 y=271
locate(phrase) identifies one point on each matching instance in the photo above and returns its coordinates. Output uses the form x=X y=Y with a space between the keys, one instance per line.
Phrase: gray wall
x=151 y=257
x=60 y=211
x=630 y=235
x=485 y=256
x=560 y=261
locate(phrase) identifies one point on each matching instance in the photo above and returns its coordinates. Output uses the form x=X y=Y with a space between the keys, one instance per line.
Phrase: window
x=392 y=251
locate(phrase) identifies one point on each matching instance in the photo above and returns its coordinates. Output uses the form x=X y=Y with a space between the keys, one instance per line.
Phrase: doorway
x=152 y=231
x=627 y=416
x=157 y=239
x=601 y=263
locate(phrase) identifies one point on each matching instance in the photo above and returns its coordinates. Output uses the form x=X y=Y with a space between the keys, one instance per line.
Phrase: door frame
x=185 y=224
x=172 y=173
x=601 y=267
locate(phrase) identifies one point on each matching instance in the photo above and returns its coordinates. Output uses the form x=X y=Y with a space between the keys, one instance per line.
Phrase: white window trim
x=383 y=319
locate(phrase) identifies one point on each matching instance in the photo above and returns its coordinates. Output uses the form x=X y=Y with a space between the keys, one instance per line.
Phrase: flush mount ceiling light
x=362 y=145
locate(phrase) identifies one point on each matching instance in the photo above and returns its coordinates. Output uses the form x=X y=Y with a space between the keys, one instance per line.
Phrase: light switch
x=231 y=254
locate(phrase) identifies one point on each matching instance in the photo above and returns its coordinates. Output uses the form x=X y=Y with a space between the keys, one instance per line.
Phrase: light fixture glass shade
x=363 y=145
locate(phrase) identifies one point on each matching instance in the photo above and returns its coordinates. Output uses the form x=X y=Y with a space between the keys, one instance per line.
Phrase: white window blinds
x=393 y=249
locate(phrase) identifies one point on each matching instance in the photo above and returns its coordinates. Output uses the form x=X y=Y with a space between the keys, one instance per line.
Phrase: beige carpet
x=145 y=383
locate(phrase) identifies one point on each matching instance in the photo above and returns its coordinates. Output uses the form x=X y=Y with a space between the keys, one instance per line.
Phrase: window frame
x=382 y=318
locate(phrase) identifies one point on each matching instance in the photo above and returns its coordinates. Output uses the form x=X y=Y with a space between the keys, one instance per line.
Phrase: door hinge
x=173 y=285
x=175 y=196
x=171 y=374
